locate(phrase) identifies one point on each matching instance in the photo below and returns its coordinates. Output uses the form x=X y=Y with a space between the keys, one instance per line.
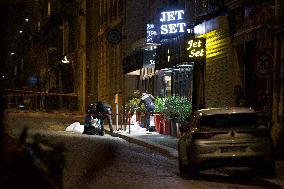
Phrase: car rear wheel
x=183 y=169
x=186 y=169
x=182 y=160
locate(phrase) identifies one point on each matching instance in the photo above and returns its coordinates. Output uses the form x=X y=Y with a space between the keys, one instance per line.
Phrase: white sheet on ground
x=75 y=127
x=135 y=127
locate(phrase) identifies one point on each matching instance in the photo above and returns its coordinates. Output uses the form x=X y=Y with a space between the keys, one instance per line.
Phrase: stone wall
x=219 y=77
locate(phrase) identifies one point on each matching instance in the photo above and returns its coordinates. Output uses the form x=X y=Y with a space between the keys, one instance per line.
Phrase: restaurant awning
x=133 y=62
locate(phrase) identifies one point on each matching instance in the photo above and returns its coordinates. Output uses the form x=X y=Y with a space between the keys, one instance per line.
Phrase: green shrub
x=133 y=103
x=159 y=104
x=178 y=108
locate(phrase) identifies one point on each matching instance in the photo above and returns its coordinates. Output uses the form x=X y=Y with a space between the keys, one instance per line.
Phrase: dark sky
x=3 y=28
x=5 y=21
x=9 y=15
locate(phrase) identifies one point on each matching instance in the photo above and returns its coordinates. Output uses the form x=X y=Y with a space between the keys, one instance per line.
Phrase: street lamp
x=65 y=60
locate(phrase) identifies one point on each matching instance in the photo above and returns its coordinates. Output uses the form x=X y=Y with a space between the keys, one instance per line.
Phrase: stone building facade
x=109 y=39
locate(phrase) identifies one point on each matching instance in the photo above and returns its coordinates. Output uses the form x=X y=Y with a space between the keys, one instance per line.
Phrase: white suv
x=226 y=137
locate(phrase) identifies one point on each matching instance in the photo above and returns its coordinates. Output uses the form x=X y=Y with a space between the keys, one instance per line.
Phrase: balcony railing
x=206 y=9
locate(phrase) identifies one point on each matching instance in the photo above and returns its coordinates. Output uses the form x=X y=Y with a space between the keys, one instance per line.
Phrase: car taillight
x=203 y=135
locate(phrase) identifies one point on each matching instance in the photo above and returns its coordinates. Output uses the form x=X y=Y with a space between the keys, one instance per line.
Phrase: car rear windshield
x=229 y=120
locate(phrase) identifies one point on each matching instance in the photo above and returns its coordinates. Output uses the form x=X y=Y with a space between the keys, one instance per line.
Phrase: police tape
x=142 y=114
x=13 y=92
x=84 y=114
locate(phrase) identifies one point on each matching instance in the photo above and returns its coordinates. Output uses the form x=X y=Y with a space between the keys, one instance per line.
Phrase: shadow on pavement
x=231 y=176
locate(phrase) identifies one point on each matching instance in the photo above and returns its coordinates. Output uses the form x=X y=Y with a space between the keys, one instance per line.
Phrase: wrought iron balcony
x=206 y=9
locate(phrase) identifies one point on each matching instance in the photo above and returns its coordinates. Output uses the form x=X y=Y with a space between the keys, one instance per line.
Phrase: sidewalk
x=165 y=144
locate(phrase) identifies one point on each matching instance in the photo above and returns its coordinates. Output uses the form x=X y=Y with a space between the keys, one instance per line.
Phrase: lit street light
x=65 y=60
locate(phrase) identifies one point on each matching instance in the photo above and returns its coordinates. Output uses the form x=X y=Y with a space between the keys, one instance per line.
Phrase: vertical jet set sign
x=195 y=49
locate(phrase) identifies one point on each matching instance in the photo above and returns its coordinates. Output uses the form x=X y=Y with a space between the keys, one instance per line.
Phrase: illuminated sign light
x=171 y=22
x=65 y=60
x=149 y=58
x=195 y=49
x=151 y=33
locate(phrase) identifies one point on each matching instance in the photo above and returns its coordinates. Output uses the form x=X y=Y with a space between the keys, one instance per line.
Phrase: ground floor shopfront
x=238 y=71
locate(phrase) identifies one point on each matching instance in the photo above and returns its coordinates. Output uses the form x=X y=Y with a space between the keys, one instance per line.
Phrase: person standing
x=104 y=111
x=148 y=101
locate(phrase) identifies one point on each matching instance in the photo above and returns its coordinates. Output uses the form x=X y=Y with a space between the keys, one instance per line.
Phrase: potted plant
x=159 y=104
x=159 y=108
x=170 y=112
x=178 y=110
x=184 y=113
x=133 y=106
x=171 y=107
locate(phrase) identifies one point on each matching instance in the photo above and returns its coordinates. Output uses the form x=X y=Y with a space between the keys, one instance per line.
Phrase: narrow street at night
x=111 y=162
x=141 y=94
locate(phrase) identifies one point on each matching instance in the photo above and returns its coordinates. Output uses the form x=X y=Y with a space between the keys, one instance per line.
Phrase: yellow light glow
x=217 y=43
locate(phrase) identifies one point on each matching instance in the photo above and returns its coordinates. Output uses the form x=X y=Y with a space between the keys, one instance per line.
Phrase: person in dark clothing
x=104 y=111
x=148 y=101
x=89 y=127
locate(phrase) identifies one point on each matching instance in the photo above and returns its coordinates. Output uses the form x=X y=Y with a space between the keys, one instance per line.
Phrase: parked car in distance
x=226 y=137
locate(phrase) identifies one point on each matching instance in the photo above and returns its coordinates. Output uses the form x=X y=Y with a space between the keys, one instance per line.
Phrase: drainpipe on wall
x=82 y=56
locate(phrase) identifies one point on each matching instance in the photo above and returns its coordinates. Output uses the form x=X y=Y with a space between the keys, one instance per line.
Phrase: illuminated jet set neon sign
x=195 y=49
x=171 y=22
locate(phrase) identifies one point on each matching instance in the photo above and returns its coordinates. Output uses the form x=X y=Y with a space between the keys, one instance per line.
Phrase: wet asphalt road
x=111 y=162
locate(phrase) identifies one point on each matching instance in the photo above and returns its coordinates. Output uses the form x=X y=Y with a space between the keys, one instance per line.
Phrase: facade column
x=82 y=57
x=277 y=101
x=198 y=97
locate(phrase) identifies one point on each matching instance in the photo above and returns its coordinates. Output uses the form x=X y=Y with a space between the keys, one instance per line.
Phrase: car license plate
x=233 y=149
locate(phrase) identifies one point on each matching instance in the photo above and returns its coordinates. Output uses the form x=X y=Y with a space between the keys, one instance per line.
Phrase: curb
x=167 y=151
